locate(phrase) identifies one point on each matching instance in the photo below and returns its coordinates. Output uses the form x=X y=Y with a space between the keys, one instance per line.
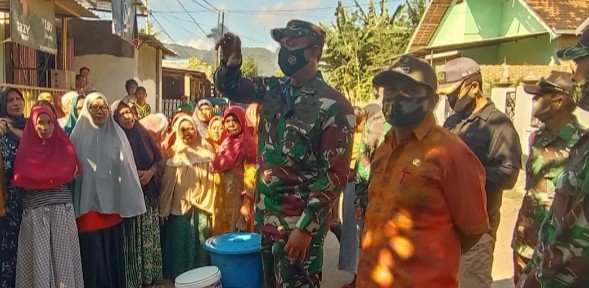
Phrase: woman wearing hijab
x=66 y=105
x=72 y=117
x=157 y=126
x=142 y=233
x=107 y=191
x=202 y=115
x=46 y=96
x=171 y=139
x=48 y=245
x=235 y=162
x=187 y=200
x=13 y=122
x=216 y=132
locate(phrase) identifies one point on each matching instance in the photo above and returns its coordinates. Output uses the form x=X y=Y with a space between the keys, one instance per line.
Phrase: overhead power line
x=203 y=6
x=189 y=15
x=215 y=8
x=256 y=11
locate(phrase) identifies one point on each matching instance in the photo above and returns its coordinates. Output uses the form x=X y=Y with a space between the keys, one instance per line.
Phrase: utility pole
x=220 y=28
x=147 y=20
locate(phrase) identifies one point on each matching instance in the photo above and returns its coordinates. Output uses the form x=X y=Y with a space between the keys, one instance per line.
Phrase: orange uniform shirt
x=424 y=192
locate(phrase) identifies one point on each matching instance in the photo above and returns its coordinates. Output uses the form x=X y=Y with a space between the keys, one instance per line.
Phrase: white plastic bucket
x=204 y=277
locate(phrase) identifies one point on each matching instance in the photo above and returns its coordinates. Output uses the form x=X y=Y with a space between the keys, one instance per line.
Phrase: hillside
x=266 y=60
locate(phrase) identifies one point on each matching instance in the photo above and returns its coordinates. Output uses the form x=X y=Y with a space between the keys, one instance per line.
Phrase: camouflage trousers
x=278 y=272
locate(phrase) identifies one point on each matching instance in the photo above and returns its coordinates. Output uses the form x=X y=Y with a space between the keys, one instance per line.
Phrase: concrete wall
x=108 y=73
x=531 y=51
x=147 y=74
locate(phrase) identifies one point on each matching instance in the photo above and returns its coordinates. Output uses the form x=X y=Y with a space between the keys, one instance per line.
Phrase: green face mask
x=403 y=111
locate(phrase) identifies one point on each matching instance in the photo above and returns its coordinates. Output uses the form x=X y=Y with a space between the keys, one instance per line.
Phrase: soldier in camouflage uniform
x=305 y=143
x=549 y=151
x=561 y=258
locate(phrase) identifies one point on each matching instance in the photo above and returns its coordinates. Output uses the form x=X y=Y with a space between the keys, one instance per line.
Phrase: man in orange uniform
x=427 y=200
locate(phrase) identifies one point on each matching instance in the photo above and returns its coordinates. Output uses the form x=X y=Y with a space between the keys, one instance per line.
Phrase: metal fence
x=170 y=108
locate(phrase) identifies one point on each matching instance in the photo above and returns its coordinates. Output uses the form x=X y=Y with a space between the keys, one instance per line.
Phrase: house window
x=510 y=105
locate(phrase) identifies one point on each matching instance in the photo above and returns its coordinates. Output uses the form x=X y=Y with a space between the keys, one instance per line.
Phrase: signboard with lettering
x=124 y=19
x=32 y=24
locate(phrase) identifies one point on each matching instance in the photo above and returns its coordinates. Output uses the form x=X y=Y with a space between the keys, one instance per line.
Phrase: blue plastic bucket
x=238 y=257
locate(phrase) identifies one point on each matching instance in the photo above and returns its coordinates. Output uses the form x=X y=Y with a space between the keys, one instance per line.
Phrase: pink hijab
x=44 y=163
x=235 y=150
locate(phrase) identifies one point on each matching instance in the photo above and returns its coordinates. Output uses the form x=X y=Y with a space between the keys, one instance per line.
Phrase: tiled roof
x=561 y=14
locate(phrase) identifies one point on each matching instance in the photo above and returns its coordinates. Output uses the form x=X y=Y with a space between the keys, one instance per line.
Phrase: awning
x=155 y=43
x=63 y=8
x=72 y=8
x=180 y=72
x=106 y=6
x=468 y=45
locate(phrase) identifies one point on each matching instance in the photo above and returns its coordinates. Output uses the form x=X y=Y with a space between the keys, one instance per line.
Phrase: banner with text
x=32 y=24
x=124 y=19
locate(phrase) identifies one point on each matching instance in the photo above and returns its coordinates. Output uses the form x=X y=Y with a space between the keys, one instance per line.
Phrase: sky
x=249 y=19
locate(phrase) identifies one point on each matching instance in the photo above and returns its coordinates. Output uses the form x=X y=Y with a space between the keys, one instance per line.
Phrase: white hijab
x=109 y=183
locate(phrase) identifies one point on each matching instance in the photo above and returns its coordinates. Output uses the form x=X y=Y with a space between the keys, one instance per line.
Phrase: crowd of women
x=101 y=198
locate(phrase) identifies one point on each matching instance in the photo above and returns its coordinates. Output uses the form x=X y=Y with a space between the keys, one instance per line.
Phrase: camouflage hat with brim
x=558 y=82
x=299 y=28
x=579 y=50
x=410 y=68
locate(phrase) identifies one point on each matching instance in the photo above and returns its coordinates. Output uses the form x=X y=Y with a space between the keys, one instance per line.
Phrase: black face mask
x=460 y=105
x=292 y=61
x=542 y=113
x=581 y=92
x=404 y=112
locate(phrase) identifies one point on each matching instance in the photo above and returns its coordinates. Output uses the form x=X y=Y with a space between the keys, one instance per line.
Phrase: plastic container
x=204 y=277
x=238 y=257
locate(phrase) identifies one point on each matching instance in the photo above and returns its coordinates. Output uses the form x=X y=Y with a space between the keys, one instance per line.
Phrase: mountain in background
x=265 y=59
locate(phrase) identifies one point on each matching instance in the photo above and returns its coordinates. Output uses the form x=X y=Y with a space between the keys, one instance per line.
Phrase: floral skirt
x=143 y=256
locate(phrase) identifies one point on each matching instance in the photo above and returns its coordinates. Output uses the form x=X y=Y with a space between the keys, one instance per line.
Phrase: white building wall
x=108 y=74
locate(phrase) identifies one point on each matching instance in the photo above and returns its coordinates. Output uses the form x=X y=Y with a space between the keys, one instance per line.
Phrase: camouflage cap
x=455 y=72
x=410 y=67
x=299 y=28
x=557 y=82
x=579 y=50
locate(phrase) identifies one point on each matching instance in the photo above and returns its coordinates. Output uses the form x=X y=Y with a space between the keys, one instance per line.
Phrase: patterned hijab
x=202 y=127
x=109 y=183
x=235 y=150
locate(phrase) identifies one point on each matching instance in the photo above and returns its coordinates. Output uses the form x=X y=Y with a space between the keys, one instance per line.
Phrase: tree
x=360 y=42
x=149 y=29
x=249 y=67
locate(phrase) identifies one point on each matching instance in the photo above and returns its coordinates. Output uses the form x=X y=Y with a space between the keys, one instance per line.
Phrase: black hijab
x=146 y=153
x=17 y=122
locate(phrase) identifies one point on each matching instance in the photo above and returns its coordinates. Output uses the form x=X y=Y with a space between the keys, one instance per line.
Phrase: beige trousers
x=476 y=265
